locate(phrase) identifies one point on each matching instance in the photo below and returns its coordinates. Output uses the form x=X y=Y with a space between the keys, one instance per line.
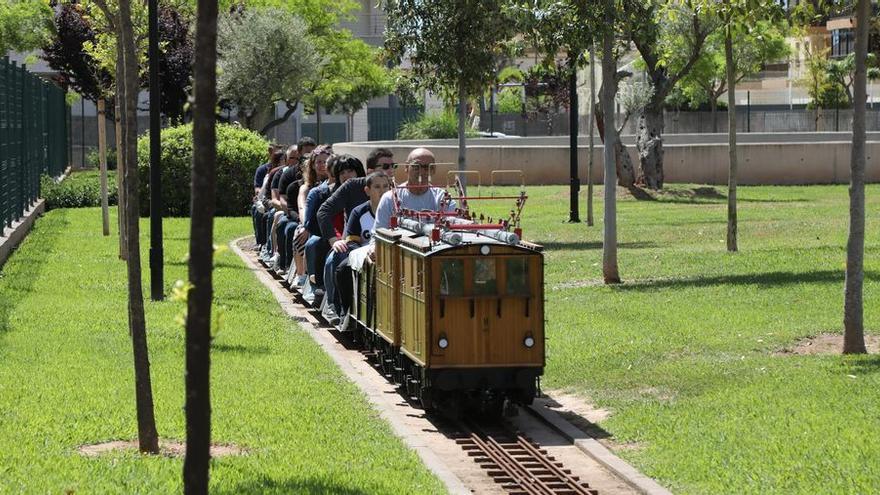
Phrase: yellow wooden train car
x=458 y=322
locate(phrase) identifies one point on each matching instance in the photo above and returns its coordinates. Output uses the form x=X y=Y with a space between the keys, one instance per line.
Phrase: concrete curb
x=452 y=482
x=597 y=451
x=13 y=237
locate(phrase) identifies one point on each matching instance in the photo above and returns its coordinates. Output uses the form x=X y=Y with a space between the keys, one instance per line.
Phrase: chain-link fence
x=33 y=138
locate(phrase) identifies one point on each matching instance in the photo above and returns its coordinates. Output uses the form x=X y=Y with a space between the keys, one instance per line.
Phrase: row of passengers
x=346 y=197
x=417 y=193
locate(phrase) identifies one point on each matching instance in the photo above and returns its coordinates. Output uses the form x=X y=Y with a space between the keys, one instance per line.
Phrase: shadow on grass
x=294 y=485
x=582 y=423
x=698 y=195
x=866 y=364
x=590 y=245
x=766 y=280
x=24 y=266
x=240 y=349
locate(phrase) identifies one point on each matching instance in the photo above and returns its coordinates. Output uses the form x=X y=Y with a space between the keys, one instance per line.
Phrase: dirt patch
x=578 y=412
x=827 y=343
x=166 y=448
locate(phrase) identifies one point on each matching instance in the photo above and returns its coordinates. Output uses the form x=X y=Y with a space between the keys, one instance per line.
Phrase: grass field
x=66 y=379
x=685 y=352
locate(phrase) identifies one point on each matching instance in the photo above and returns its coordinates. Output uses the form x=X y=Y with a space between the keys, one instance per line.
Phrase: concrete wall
x=814 y=158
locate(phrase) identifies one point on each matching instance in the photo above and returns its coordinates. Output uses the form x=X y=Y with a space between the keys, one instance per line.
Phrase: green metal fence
x=33 y=138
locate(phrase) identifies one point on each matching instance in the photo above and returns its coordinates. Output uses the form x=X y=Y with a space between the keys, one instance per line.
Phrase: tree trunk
x=731 y=141
x=121 y=198
x=276 y=122
x=609 y=88
x=102 y=160
x=462 y=115
x=713 y=111
x=650 y=144
x=626 y=175
x=201 y=252
x=148 y=438
x=592 y=113
x=318 y=123
x=853 y=321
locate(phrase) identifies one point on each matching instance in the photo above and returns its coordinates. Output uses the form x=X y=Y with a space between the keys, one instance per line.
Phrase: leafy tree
x=756 y=45
x=264 y=56
x=841 y=73
x=352 y=75
x=853 y=318
x=451 y=44
x=24 y=24
x=175 y=61
x=65 y=53
x=669 y=36
x=201 y=255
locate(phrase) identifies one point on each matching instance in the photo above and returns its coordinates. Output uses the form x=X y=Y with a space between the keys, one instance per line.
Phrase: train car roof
x=423 y=244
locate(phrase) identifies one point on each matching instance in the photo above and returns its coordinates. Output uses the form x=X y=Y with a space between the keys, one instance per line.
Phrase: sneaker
x=275 y=262
x=299 y=280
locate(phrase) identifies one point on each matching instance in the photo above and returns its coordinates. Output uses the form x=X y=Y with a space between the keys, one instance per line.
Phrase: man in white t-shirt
x=416 y=193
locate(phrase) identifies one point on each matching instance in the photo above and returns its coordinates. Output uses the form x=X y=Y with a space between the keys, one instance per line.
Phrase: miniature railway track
x=518 y=464
x=513 y=461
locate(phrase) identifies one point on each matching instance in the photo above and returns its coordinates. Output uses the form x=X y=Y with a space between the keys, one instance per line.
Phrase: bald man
x=416 y=193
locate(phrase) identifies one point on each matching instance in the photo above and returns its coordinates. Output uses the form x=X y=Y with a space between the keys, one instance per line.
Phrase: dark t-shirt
x=276 y=178
x=292 y=192
x=359 y=227
x=262 y=170
x=292 y=173
x=345 y=198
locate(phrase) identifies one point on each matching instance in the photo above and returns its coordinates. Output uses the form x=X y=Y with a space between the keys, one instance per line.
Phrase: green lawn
x=66 y=379
x=684 y=352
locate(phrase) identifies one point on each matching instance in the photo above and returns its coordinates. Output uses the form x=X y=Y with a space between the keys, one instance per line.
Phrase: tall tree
x=127 y=81
x=201 y=255
x=853 y=320
x=610 y=271
x=649 y=24
x=451 y=44
x=738 y=19
x=265 y=56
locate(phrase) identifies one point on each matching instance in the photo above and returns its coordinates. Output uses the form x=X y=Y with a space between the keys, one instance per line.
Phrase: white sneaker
x=299 y=280
x=275 y=262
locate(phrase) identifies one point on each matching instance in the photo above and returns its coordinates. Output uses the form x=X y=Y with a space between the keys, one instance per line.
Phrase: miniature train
x=453 y=310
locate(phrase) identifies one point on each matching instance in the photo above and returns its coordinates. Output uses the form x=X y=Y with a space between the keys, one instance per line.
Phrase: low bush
x=92 y=159
x=432 y=126
x=79 y=190
x=239 y=152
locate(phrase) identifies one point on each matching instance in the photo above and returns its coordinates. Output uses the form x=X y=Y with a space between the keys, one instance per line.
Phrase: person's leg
x=286 y=241
x=334 y=259
x=344 y=287
x=312 y=257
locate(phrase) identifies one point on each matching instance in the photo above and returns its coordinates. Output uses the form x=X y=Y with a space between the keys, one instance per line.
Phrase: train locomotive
x=452 y=308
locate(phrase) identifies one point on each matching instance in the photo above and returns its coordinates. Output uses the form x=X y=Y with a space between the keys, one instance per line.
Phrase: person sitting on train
x=355 y=238
x=351 y=194
x=343 y=168
x=417 y=193
x=267 y=195
x=258 y=207
x=314 y=174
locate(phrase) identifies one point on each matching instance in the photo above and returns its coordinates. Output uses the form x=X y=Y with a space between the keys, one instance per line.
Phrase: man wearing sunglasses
x=416 y=193
x=350 y=195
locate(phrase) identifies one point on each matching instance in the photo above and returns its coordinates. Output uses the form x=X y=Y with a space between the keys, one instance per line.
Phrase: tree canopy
x=24 y=24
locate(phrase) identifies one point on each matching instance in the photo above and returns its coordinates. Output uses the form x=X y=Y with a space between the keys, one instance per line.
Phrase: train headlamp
x=529 y=341
x=485 y=250
x=443 y=342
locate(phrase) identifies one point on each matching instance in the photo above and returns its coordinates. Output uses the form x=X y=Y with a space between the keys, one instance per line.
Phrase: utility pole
x=156 y=251
x=573 y=214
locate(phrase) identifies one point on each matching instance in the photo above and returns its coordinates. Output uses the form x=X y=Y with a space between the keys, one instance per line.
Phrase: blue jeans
x=316 y=254
x=334 y=259
x=285 y=241
x=267 y=227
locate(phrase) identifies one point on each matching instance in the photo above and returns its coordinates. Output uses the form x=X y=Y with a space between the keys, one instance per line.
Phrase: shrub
x=433 y=126
x=79 y=190
x=92 y=159
x=239 y=151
